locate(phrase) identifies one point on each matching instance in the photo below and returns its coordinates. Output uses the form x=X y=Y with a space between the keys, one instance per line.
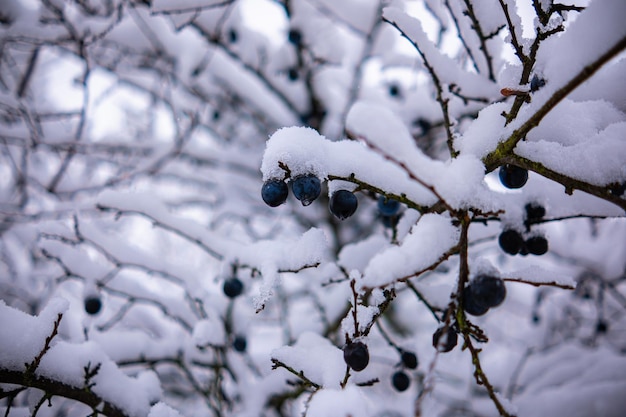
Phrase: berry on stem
x=409 y=359
x=356 y=355
x=240 y=343
x=93 y=305
x=388 y=206
x=534 y=212
x=511 y=241
x=343 y=204
x=470 y=305
x=274 y=192
x=294 y=36
x=233 y=287
x=448 y=342
x=487 y=291
x=537 y=245
x=306 y=188
x=400 y=381
x=512 y=176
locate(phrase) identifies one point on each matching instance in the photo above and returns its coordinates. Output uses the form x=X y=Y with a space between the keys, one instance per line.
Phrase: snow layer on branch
x=582 y=140
x=66 y=362
x=271 y=256
x=162 y=410
x=318 y=359
x=427 y=242
x=448 y=71
x=575 y=382
x=348 y=402
x=484 y=133
x=540 y=275
x=17 y=346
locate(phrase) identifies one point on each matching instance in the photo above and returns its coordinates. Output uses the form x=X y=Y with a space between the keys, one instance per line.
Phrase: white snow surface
x=319 y=360
x=427 y=242
x=66 y=362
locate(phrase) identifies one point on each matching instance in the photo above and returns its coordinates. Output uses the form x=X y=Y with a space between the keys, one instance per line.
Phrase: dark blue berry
x=470 y=305
x=240 y=343
x=356 y=355
x=93 y=304
x=511 y=241
x=537 y=245
x=306 y=188
x=394 y=90
x=485 y=292
x=292 y=74
x=295 y=36
x=233 y=36
x=400 y=381
x=448 y=343
x=233 y=287
x=274 y=192
x=512 y=176
x=388 y=206
x=343 y=204
x=534 y=212
x=409 y=359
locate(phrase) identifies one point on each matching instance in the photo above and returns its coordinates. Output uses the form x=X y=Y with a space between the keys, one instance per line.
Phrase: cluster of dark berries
x=512 y=176
x=512 y=242
x=445 y=339
x=93 y=305
x=356 y=355
x=536 y=83
x=307 y=188
x=483 y=293
x=400 y=379
x=389 y=210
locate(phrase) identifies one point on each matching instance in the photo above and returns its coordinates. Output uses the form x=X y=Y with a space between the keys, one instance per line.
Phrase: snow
x=427 y=242
x=308 y=353
x=351 y=401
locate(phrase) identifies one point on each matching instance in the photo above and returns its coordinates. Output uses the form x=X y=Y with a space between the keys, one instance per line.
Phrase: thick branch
x=59 y=389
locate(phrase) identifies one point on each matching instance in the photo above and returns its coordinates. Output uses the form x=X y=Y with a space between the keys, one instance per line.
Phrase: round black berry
x=487 y=291
x=295 y=36
x=534 y=212
x=233 y=36
x=602 y=326
x=93 y=305
x=306 y=188
x=356 y=355
x=511 y=241
x=240 y=343
x=394 y=90
x=448 y=342
x=274 y=192
x=400 y=381
x=537 y=245
x=292 y=74
x=470 y=305
x=409 y=359
x=343 y=204
x=388 y=206
x=512 y=176
x=233 y=287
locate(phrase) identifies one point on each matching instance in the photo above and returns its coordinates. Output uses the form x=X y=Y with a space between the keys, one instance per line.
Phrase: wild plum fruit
x=388 y=206
x=356 y=355
x=274 y=192
x=93 y=304
x=448 y=342
x=537 y=245
x=306 y=188
x=233 y=287
x=400 y=381
x=487 y=291
x=512 y=176
x=343 y=204
x=409 y=359
x=511 y=241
